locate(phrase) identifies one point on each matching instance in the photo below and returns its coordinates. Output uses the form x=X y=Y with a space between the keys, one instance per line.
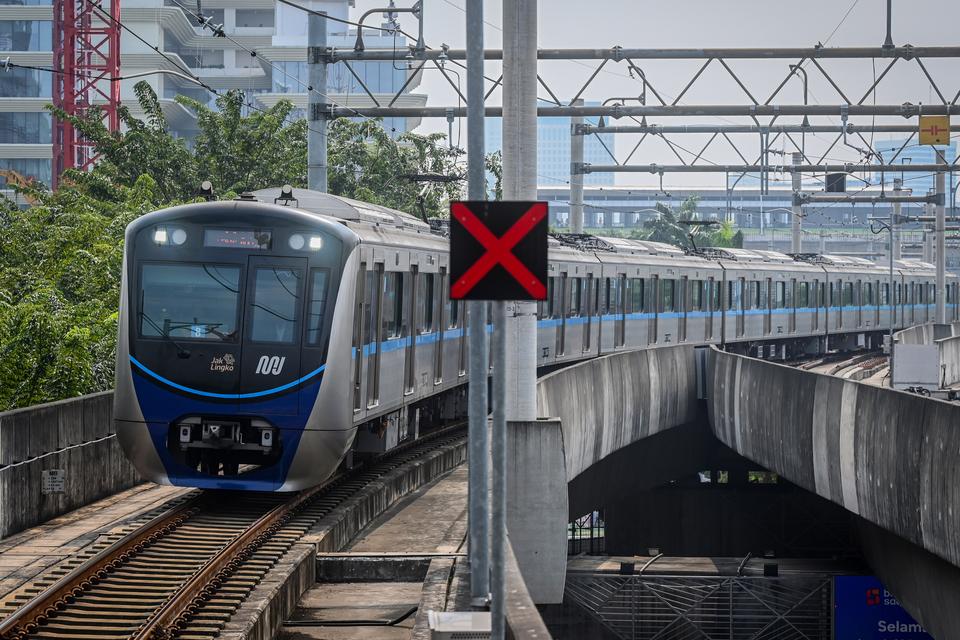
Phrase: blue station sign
x=865 y=610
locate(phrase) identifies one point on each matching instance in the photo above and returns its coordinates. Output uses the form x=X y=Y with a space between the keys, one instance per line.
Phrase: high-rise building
x=277 y=32
x=553 y=150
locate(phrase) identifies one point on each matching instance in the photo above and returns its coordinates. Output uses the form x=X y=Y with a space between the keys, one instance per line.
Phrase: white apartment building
x=277 y=32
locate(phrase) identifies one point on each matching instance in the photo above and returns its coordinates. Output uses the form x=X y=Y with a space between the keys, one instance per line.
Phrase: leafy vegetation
x=668 y=228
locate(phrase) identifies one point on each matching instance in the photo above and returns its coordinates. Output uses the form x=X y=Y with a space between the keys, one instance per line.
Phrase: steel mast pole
x=795 y=242
x=516 y=330
x=941 y=291
x=479 y=445
x=895 y=244
x=576 y=174
x=317 y=101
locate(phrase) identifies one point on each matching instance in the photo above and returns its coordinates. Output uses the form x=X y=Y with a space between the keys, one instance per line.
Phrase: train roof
x=343 y=208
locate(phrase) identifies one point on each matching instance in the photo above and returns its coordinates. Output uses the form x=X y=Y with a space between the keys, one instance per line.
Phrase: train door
x=590 y=286
x=272 y=320
x=707 y=299
x=875 y=301
x=620 y=329
x=410 y=331
x=682 y=309
x=791 y=302
x=358 y=317
x=653 y=308
x=438 y=321
x=562 y=314
x=738 y=304
x=766 y=303
x=858 y=301
x=373 y=330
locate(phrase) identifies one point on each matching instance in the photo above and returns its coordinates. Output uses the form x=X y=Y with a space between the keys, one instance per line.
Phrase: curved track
x=187 y=570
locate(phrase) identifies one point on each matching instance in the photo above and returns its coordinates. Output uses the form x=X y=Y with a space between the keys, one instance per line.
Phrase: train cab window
x=317 y=305
x=803 y=295
x=392 y=305
x=667 y=297
x=196 y=301
x=275 y=297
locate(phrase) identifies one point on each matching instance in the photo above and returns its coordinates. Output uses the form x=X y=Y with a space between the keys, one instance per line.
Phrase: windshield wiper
x=181 y=352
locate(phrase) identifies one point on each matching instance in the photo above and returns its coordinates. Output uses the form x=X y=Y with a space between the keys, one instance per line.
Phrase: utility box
x=459 y=625
x=916 y=365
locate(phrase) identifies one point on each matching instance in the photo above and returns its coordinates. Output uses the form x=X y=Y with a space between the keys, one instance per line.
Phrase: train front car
x=231 y=334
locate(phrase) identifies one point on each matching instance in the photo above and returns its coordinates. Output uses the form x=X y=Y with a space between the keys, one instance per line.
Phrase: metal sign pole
x=478 y=343
x=317 y=70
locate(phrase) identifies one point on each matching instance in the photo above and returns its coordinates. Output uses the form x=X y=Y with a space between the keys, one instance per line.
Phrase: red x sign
x=498 y=250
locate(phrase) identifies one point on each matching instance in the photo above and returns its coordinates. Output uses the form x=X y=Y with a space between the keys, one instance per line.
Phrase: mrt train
x=264 y=340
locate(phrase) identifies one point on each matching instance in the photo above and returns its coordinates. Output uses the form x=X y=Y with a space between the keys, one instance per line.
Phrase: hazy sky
x=713 y=23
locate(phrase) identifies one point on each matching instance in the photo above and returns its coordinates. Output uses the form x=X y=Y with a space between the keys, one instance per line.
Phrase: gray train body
x=393 y=354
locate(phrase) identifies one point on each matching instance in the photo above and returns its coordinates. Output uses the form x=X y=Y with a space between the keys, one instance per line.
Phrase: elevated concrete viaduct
x=890 y=458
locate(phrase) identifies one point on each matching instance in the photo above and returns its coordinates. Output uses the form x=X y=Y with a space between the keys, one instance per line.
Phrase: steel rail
x=177 y=604
x=35 y=612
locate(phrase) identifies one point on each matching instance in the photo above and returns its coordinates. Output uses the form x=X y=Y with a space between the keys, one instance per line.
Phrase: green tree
x=60 y=266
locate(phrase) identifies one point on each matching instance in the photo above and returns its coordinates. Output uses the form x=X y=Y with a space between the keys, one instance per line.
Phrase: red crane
x=86 y=51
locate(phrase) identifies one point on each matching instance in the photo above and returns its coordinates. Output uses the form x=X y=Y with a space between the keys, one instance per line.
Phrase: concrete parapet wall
x=75 y=436
x=610 y=402
x=948 y=351
x=888 y=456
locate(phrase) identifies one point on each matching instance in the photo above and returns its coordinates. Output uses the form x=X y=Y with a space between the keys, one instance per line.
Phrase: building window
x=25 y=128
x=37 y=169
x=26 y=35
x=25 y=83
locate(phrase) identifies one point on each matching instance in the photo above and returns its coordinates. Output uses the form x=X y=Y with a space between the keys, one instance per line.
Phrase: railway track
x=185 y=572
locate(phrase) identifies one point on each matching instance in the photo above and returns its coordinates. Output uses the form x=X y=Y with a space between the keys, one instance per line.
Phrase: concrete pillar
x=316 y=103
x=520 y=183
x=537 y=506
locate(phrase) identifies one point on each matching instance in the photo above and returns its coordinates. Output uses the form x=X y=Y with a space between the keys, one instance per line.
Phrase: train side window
x=560 y=295
x=276 y=294
x=425 y=302
x=847 y=294
x=803 y=295
x=576 y=285
x=392 y=305
x=318 y=304
x=696 y=294
x=762 y=293
x=868 y=294
x=649 y=291
x=885 y=293
x=635 y=295
x=791 y=297
x=780 y=295
x=667 y=295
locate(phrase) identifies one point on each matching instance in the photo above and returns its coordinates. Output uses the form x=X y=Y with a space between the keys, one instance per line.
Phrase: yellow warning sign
x=934 y=129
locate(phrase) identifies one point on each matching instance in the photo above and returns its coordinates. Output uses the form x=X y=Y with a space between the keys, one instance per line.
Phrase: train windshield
x=194 y=301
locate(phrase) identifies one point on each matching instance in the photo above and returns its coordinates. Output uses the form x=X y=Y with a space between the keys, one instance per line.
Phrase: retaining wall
x=891 y=457
x=74 y=436
x=607 y=403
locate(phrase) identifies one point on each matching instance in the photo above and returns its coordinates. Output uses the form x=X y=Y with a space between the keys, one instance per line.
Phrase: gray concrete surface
x=537 y=506
x=73 y=436
x=889 y=457
x=606 y=403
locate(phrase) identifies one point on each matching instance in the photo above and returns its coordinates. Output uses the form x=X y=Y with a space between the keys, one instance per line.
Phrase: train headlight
x=296 y=242
x=179 y=236
x=160 y=235
x=316 y=242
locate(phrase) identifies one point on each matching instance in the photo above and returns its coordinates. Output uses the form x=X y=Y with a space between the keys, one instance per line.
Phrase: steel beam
x=754 y=168
x=618 y=54
x=816 y=198
x=660 y=129
x=906 y=110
